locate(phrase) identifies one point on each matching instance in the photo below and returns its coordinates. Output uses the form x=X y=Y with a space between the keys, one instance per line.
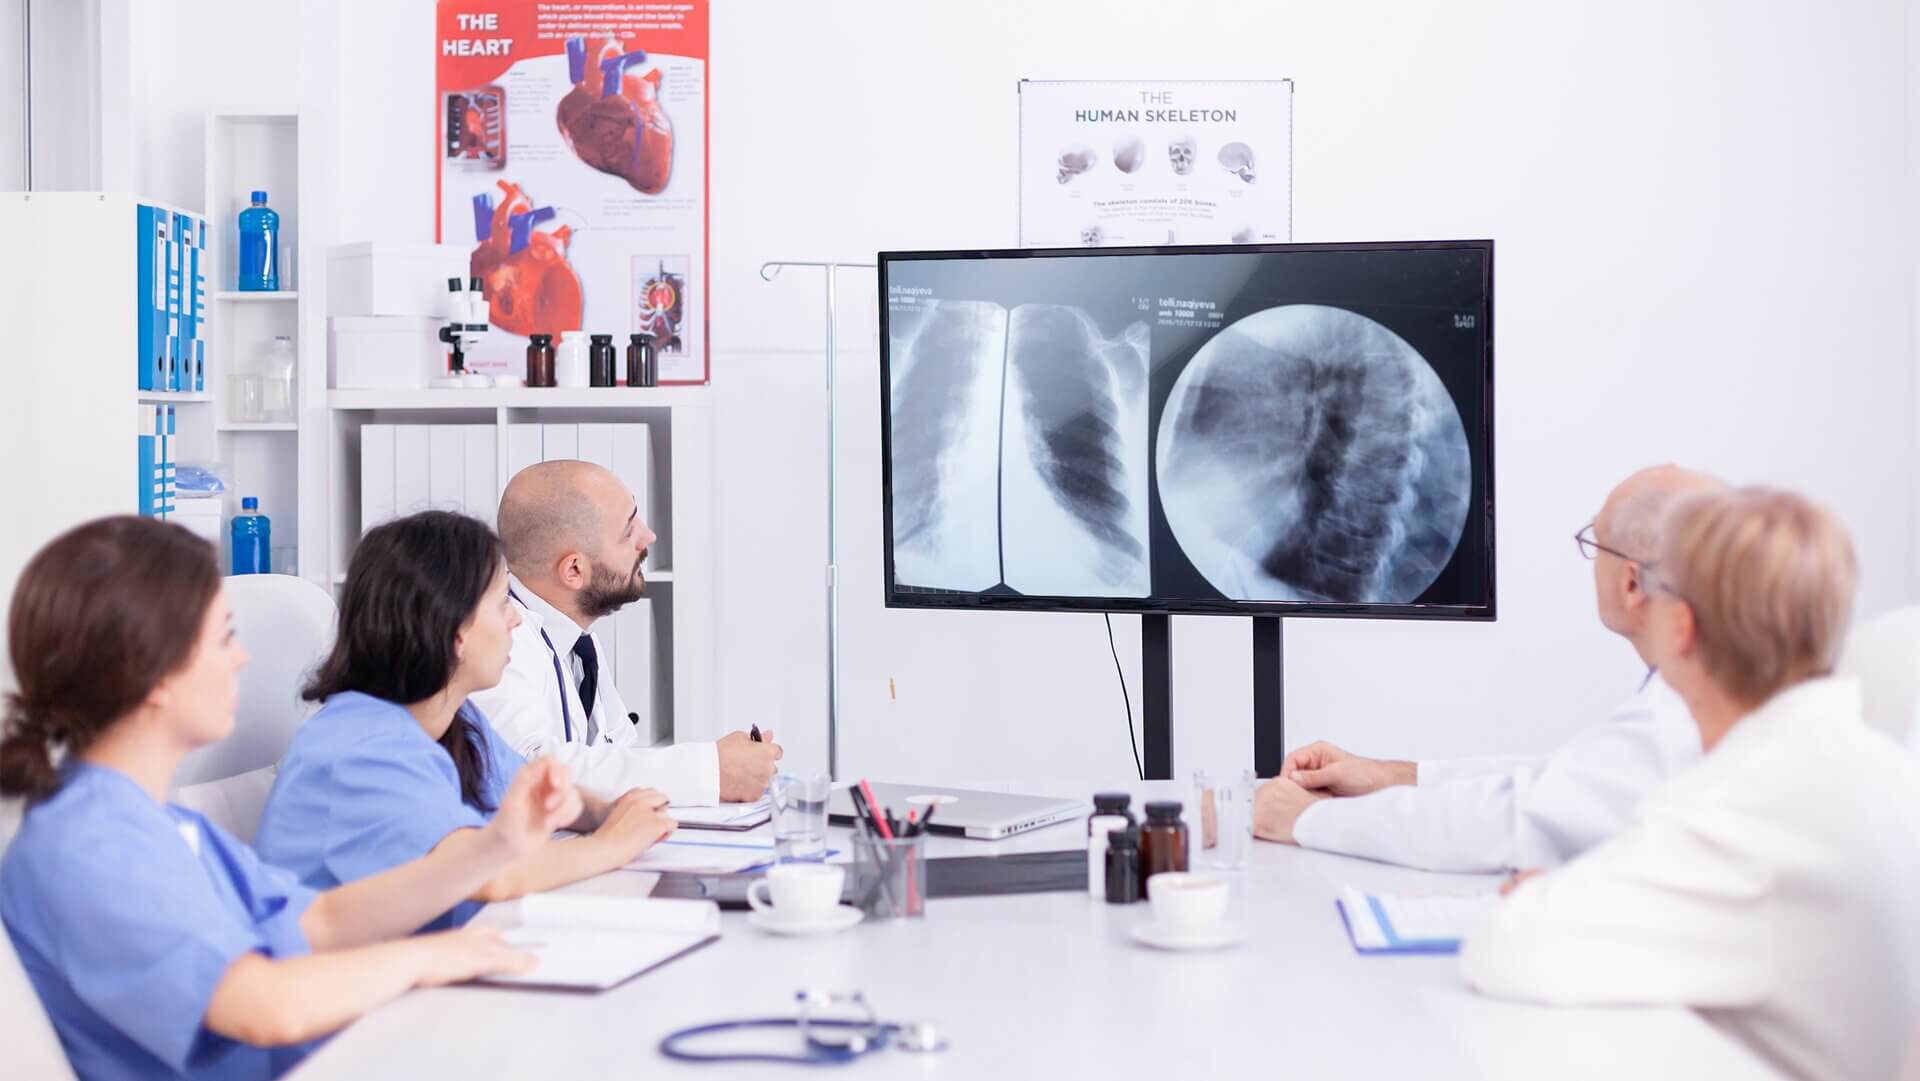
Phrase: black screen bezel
x=895 y=598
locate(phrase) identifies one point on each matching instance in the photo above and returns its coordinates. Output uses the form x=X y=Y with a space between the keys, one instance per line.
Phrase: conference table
x=1051 y=985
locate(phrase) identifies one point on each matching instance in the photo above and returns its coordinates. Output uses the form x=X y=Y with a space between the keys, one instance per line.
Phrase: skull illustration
x=1075 y=160
x=1237 y=158
x=1181 y=153
x=1129 y=153
x=1092 y=236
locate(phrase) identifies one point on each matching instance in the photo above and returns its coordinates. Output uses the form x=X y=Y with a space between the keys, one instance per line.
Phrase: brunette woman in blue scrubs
x=397 y=763
x=160 y=945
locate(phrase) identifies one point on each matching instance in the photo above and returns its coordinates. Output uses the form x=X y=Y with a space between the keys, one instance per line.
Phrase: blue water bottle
x=252 y=539
x=259 y=247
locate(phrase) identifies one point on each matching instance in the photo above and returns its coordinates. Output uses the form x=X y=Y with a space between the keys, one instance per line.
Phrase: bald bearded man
x=575 y=543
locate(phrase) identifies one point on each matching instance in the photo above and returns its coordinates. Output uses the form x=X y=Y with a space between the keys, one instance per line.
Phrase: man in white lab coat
x=1772 y=887
x=575 y=544
x=1497 y=814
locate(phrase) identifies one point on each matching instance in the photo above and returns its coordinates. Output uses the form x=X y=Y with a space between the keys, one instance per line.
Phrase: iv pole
x=768 y=272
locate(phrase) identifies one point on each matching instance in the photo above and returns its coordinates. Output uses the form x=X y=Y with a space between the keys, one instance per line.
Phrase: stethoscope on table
x=829 y=1041
x=559 y=674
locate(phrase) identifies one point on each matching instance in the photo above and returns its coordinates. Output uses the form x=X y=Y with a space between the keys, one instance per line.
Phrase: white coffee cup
x=799 y=892
x=1183 y=901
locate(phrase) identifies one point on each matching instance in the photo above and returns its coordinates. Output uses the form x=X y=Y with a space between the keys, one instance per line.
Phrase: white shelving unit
x=275 y=148
x=680 y=424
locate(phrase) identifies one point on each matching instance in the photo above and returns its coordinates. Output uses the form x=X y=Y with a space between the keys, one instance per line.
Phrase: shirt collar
x=562 y=631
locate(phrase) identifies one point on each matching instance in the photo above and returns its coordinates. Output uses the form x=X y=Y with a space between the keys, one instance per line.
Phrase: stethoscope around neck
x=559 y=673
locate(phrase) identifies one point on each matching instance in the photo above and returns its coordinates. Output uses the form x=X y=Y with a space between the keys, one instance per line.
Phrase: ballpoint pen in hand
x=753 y=733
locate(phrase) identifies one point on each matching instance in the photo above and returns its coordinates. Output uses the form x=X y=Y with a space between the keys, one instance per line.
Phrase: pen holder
x=890 y=877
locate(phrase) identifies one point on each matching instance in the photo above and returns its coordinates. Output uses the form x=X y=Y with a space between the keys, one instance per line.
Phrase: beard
x=611 y=591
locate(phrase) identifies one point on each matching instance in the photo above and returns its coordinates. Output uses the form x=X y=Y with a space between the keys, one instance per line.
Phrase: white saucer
x=841 y=918
x=1219 y=936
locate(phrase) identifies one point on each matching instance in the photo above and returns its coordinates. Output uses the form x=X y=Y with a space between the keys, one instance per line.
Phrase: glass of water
x=1224 y=808
x=799 y=804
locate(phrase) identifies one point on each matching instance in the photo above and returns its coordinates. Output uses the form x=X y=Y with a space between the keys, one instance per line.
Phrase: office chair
x=1884 y=655
x=286 y=625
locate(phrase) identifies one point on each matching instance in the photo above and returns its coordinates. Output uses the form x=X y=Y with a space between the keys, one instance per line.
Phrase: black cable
x=1128 y=702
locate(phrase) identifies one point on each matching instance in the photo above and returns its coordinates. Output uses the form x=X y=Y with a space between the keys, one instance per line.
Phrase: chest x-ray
x=1019 y=450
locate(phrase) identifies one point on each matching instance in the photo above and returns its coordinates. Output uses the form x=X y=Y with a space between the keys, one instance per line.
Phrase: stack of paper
x=598 y=942
x=727 y=816
x=686 y=852
x=1411 y=923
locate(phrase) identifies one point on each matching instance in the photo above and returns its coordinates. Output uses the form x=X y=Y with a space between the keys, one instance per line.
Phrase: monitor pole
x=1156 y=696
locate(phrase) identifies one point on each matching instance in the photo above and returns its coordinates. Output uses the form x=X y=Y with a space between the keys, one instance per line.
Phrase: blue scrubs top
x=362 y=790
x=125 y=930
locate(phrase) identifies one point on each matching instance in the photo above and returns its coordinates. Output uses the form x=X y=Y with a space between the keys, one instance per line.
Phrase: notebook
x=1411 y=922
x=732 y=817
x=687 y=852
x=594 y=943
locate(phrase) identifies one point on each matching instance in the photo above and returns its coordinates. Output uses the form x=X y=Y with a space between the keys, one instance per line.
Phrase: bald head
x=1632 y=516
x=554 y=508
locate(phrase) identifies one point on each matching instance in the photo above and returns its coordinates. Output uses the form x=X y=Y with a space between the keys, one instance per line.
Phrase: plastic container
x=1163 y=840
x=259 y=247
x=642 y=368
x=1109 y=813
x=600 y=361
x=540 y=360
x=276 y=380
x=252 y=539
x=570 y=365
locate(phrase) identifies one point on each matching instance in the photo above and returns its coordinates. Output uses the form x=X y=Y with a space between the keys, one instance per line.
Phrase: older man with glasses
x=1492 y=814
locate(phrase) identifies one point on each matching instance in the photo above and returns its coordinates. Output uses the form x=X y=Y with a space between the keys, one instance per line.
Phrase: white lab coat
x=1497 y=814
x=607 y=753
x=1773 y=887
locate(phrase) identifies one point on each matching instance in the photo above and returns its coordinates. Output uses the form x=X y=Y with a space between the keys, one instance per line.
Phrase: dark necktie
x=589 y=671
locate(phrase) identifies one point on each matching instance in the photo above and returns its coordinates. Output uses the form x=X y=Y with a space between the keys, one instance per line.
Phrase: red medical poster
x=571 y=154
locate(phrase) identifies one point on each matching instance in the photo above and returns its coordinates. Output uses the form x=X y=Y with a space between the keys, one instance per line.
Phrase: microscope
x=466 y=322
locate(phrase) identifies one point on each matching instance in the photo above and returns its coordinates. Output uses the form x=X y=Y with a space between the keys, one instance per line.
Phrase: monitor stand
x=1156 y=696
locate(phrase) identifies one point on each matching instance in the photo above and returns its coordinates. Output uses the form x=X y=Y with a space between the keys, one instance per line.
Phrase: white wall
x=1707 y=252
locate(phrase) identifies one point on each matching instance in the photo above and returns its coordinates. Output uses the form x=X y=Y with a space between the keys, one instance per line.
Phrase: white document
x=725 y=815
x=597 y=942
x=633 y=464
x=376 y=475
x=1413 y=922
x=560 y=442
x=722 y=855
x=483 y=488
x=523 y=448
x=447 y=468
x=410 y=473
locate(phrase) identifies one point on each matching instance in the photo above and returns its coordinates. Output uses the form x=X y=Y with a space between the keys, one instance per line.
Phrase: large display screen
x=1257 y=429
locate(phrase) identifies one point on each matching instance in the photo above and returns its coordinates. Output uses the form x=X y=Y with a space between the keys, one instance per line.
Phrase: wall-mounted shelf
x=256 y=297
x=174 y=397
x=522 y=398
x=258 y=426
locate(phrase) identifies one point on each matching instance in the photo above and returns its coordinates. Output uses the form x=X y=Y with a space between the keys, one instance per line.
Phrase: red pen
x=879 y=822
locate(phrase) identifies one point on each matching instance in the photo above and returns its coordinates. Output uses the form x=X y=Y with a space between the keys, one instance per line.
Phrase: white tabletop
x=1050 y=985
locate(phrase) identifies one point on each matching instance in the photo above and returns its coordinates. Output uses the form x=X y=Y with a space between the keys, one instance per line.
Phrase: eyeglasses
x=1591 y=548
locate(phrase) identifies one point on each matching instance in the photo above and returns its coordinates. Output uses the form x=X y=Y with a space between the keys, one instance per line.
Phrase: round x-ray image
x=1308 y=453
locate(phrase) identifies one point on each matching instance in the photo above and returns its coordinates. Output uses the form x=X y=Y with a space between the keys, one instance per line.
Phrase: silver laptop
x=986 y=816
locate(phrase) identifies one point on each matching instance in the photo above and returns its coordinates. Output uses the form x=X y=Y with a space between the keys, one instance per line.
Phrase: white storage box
x=381 y=278
x=384 y=352
x=201 y=516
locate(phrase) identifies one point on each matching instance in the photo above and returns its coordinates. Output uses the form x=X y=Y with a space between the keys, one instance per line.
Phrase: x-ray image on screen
x=1265 y=429
x=1022 y=438
x=1310 y=454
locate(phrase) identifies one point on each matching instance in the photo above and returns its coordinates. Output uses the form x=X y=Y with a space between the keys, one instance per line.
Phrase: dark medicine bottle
x=540 y=360
x=642 y=369
x=600 y=360
x=1163 y=840
x=1123 y=867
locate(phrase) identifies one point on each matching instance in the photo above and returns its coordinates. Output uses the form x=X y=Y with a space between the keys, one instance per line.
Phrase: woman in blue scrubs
x=160 y=945
x=397 y=763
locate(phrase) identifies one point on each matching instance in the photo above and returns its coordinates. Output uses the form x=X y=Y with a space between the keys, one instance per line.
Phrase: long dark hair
x=411 y=586
x=101 y=615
